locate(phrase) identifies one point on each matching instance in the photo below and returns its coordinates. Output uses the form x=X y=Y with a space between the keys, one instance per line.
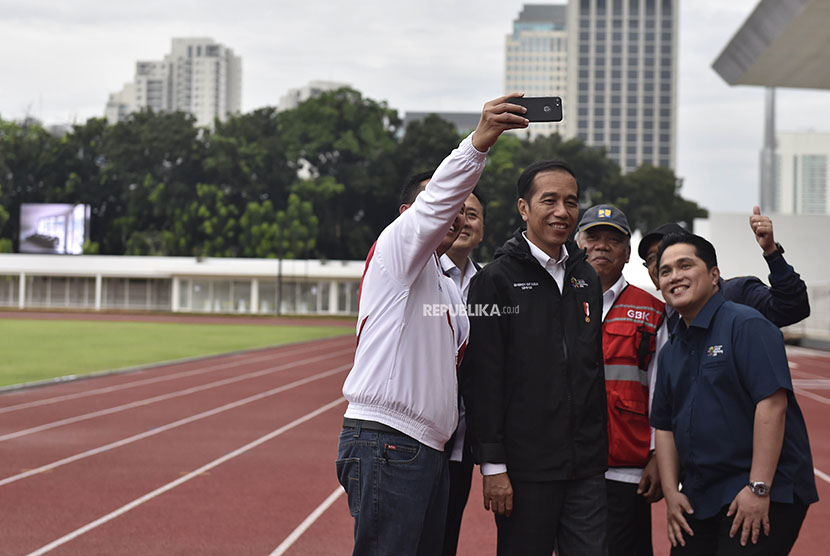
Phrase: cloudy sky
x=59 y=60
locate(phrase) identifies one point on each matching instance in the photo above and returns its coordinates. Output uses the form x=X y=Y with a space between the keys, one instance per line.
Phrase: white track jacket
x=404 y=372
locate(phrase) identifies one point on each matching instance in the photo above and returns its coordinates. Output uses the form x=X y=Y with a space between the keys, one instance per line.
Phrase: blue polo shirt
x=710 y=377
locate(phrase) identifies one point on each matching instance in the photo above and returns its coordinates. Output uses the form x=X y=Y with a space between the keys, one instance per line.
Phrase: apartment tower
x=536 y=59
x=199 y=76
x=622 y=79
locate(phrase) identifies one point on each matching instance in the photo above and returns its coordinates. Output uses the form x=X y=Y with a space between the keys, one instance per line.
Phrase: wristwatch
x=758 y=488
x=775 y=254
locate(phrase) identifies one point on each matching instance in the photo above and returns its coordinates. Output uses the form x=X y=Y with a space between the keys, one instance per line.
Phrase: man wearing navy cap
x=631 y=318
x=726 y=418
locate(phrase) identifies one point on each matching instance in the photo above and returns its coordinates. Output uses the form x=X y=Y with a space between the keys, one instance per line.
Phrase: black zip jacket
x=532 y=376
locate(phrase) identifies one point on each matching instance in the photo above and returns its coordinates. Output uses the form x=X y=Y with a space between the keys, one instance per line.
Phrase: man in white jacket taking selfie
x=402 y=390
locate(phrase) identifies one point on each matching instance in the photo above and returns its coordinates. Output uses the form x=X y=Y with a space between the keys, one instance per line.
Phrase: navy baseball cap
x=604 y=215
x=656 y=235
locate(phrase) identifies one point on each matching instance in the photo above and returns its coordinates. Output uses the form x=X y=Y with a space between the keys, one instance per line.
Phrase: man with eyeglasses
x=783 y=302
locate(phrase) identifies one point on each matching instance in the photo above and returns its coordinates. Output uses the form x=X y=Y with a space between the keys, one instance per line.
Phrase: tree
x=297 y=228
x=150 y=165
x=206 y=227
x=30 y=169
x=424 y=145
x=84 y=159
x=351 y=139
x=247 y=155
x=498 y=189
x=650 y=196
x=259 y=233
x=288 y=233
x=5 y=243
x=319 y=180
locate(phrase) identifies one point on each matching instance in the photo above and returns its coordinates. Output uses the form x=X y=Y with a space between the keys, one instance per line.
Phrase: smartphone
x=540 y=109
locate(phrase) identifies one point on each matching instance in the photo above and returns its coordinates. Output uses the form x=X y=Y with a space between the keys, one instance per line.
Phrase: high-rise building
x=613 y=62
x=199 y=76
x=535 y=58
x=622 y=82
x=152 y=86
x=294 y=97
x=802 y=173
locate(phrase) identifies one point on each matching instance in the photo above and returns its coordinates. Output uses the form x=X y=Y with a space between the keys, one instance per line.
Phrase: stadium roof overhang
x=783 y=43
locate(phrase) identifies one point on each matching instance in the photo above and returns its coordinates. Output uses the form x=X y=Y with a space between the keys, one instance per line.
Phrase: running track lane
x=142 y=418
x=324 y=535
x=101 y=482
x=297 y=476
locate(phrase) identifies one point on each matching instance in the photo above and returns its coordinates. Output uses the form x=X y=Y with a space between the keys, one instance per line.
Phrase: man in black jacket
x=533 y=374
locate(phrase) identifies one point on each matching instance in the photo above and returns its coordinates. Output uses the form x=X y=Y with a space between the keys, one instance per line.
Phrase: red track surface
x=248 y=475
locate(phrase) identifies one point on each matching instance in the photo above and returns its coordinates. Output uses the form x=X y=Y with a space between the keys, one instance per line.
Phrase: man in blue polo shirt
x=728 y=425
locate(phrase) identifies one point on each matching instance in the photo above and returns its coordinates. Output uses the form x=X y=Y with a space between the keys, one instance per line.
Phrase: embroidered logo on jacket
x=578 y=283
x=714 y=351
x=525 y=285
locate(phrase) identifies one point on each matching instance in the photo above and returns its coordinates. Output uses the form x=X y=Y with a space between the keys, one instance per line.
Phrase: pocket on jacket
x=629 y=434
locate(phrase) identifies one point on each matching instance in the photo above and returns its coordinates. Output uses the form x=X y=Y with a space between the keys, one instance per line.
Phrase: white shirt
x=610 y=296
x=463 y=285
x=404 y=372
x=556 y=268
x=461 y=282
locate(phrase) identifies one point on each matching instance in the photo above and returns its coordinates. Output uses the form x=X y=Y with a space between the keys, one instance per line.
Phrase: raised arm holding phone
x=402 y=388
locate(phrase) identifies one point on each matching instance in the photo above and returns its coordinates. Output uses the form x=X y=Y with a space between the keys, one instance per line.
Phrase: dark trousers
x=711 y=536
x=569 y=514
x=629 y=520
x=461 y=477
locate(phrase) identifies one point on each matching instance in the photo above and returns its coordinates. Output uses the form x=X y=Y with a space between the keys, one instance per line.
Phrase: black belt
x=368 y=425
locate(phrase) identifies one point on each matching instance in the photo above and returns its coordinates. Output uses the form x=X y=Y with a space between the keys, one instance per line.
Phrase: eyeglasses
x=650 y=260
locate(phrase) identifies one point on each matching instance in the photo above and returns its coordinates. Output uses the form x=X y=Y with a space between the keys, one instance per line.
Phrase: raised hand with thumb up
x=762 y=228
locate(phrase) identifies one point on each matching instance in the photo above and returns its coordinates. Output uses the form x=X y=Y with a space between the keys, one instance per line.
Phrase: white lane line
x=170 y=426
x=814 y=383
x=169 y=395
x=153 y=380
x=821 y=475
x=805 y=374
x=807 y=352
x=308 y=522
x=808 y=394
x=181 y=480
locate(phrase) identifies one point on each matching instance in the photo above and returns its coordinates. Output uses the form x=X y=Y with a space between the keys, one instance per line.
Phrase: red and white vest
x=629 y=340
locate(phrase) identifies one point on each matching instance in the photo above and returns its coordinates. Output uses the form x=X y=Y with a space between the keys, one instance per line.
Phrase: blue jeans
x=397 y=492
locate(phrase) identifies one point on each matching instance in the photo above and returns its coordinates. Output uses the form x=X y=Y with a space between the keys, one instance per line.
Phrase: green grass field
x=33 y=350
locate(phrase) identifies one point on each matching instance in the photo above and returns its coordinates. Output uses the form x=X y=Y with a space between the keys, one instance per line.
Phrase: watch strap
x=779 y=251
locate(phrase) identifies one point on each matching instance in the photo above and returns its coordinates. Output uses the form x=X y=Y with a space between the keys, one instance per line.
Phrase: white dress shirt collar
x=462 y=282
x=611 y=295
x=544 y=259
x=556 y=268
